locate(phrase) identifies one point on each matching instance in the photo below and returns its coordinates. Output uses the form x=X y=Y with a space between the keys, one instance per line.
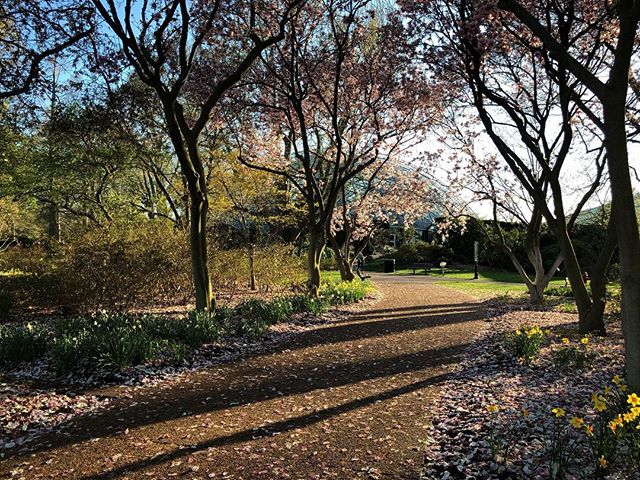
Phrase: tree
x=32 y=31
x=486 y=178
x=343 y=97
x=519 y=93
x=609 y=27
x=396 y=195
x=191 y=54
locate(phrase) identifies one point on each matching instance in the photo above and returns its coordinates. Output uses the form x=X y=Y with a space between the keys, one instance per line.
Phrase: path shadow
x=274 y=429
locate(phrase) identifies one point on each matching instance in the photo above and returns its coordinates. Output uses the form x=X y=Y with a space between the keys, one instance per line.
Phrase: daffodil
x=603 y=462
x=576 y=422
x=633 y=400
x=584 y=340
x=525 y=413
x=607 y=390
x=566 y=341
x=492 y=408
x=589 y=430
x=558 y=412
x=616 y=379
x=599 y=403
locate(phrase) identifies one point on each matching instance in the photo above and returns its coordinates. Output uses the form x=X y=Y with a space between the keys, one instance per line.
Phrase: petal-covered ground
x=494 y=395
x=347 y=399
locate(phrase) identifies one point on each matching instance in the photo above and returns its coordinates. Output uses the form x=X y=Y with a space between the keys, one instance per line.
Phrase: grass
x=490 y=283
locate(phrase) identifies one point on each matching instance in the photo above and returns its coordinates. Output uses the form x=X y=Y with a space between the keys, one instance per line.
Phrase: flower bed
x=516 y=411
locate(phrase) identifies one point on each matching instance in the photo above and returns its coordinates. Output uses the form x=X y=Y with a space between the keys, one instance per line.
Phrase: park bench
x=418 y=266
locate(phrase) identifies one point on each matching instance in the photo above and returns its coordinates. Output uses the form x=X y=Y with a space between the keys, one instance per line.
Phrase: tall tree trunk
x=252 y=270
x=314 y=255
x=587 y=323
x=345 y=266
x=626 y=224
x=599 y=273
x=54 y=222
x=198 y=241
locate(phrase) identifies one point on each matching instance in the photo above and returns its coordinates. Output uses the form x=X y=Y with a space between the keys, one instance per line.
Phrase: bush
x=418 y=251
x=255 y=316
x=559 y=292
x=69 y=350
x=119 y=341
x=196 y=329
x=6 y=302
x=525 y=342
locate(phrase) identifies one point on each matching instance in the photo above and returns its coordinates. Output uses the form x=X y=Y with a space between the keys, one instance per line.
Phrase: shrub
x=6 y=302
x=525 y=342
x=418 y=251
x=119 y=341
x=68 y=351
x=255 y=316
x=22 y=343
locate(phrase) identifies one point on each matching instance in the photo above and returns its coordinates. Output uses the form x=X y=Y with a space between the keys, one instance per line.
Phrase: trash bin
x=389 y=265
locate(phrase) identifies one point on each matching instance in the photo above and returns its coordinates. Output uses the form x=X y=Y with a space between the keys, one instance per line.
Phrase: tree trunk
x=252 y=271
x=198 y=241
x=588 y=322
x=314 y=255
x=626 y=224
x=345 y=266
x=54 y=222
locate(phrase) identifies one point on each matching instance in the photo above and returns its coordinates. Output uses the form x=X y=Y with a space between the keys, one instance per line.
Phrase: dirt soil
x=350 y=399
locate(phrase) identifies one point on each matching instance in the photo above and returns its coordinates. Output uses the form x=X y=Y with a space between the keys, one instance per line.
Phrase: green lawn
x=490 y=282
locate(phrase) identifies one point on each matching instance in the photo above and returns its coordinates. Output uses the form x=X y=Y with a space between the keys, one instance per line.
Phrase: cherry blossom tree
x=397 y=195
x=191 y=53
x=338 y=99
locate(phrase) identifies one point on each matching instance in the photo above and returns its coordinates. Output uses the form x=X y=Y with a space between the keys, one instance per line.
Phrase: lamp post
x=476 y=251
x=443 y=264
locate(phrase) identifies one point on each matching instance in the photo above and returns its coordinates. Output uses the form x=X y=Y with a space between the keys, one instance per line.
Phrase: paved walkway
x=348 y=400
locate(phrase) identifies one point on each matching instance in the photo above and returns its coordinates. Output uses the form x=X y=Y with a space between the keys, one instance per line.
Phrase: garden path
x=347 y=400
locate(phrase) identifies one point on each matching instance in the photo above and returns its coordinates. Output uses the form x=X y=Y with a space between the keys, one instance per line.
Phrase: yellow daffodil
x=525 y=413
x=576 y=422
x=558 y=412
x=566 y=341
x=599 y=403
x=633 y=400
x=607 y=391
x=616 y=379
x=584 y=340
x=603 y=462
x=492 y=408
x=589 y=430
